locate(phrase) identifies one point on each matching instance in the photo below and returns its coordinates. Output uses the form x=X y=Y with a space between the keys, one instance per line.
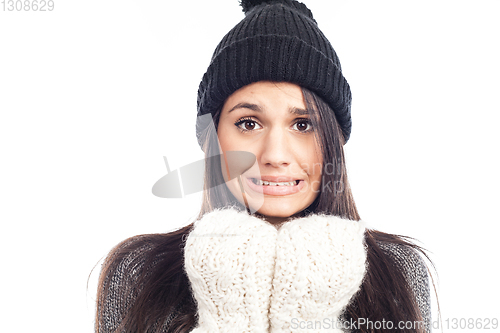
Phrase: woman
x=280 y=246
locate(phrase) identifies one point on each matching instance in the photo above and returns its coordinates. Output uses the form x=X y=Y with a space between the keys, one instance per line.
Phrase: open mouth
x=281 y=186
x=261 y=182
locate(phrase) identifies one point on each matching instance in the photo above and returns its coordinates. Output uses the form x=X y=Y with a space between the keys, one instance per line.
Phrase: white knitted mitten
x=229 y=258
x=320 y=264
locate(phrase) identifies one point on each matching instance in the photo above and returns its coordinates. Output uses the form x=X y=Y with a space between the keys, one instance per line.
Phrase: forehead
x=267 y=94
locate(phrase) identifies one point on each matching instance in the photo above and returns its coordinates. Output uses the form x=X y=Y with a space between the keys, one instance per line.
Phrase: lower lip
x=275 y=189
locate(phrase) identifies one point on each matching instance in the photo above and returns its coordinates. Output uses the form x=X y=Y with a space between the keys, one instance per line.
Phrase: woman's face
x=270 y=120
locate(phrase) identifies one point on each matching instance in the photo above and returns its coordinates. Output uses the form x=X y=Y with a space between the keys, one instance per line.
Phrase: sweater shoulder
x=415 y=270
x=122 y=275
x=119 y=275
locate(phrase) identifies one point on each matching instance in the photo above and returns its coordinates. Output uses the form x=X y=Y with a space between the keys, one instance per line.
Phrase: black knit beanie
x=278 y=40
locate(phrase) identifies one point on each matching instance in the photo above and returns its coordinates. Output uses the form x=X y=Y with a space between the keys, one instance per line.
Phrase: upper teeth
x=263 y=182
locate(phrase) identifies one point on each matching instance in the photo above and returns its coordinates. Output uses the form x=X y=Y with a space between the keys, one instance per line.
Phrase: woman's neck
x=277 y=221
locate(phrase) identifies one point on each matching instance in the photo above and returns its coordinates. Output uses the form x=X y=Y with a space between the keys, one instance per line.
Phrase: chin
x=279 y=207
x=282 y=210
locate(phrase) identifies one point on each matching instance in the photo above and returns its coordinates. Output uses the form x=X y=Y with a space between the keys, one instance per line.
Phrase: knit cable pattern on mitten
x=229 y=258
x=320 y=264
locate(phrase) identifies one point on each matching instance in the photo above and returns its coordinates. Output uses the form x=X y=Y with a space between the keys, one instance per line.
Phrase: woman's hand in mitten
x=229 y=258
x=320 y=264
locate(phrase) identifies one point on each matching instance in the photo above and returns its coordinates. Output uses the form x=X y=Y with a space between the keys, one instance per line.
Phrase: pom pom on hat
x=248 y=5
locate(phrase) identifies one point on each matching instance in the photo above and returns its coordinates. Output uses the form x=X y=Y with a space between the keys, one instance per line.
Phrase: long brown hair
x=161 y=288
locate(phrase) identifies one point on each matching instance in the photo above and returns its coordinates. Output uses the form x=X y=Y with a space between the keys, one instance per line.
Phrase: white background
x=95 y=93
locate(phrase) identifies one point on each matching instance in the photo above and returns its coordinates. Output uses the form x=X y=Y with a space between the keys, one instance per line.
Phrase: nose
x=276 y=148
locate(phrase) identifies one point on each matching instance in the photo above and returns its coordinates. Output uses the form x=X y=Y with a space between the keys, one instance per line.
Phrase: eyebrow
x=256 y=108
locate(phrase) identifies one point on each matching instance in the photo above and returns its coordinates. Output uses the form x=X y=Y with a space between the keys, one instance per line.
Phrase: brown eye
x=246 y=124
x=303 y=126
x=249 y=125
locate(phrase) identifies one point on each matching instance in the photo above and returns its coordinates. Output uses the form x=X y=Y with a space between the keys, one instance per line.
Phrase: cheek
x=316 y=168
x=314 y=161
x=315 y=177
